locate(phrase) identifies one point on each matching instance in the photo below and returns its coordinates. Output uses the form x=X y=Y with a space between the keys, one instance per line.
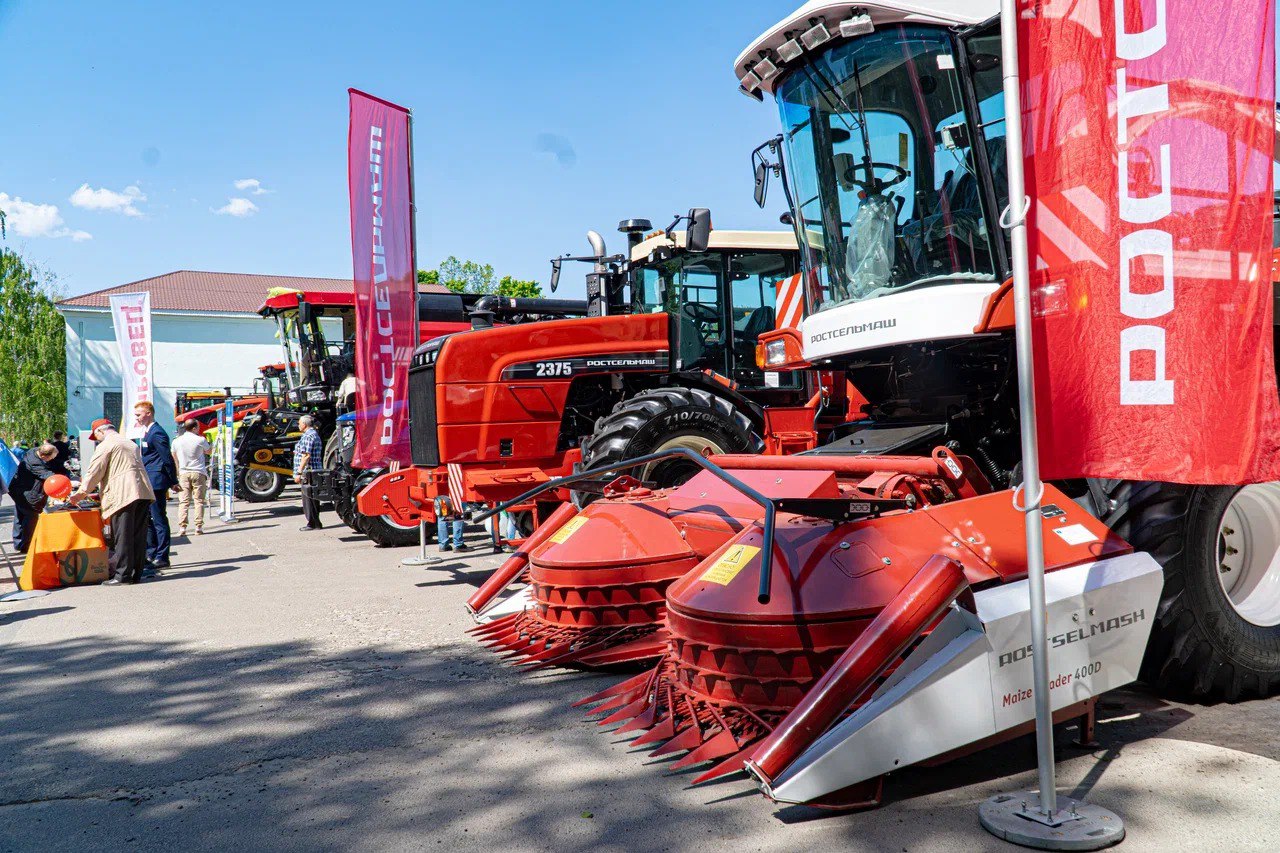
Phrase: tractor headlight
x=316 y=395
x=348 y=435
x=775 y=353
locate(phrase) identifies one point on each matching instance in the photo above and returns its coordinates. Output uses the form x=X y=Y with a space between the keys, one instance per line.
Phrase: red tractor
x=666 y=360
x=317 y=332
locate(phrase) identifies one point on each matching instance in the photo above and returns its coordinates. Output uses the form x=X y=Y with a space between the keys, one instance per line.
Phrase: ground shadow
x=9 y=618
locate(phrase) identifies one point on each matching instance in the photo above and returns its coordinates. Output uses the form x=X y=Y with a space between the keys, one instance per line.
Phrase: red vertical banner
x=1150 y=131
x=378 y=175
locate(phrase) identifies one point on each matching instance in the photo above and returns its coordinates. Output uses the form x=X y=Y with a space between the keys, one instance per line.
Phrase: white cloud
x=29 y=219
x=109 y=200
x=252 y=184
x=237 y=207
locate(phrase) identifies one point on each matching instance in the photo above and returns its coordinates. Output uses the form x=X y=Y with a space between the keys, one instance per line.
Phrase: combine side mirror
x=698 y=237
x=305 y=314
x=555 y=274
x=762 y=183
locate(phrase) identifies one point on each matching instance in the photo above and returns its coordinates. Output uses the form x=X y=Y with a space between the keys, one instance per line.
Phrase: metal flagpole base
x=1076 y=825
x=422 y=559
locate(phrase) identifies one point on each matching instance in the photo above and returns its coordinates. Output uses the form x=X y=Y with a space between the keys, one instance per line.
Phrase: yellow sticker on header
x=570 y=527
x=730 y=563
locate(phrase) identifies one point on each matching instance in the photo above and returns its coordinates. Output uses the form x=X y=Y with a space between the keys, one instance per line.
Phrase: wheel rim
x=391 y=522
x=260 y=482
x=673 y=472
x=1249 y=554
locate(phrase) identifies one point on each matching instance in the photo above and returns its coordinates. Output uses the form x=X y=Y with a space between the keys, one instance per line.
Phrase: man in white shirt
x=191 y=456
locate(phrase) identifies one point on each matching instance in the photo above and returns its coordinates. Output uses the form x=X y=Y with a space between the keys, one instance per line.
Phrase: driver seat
x=760 y=320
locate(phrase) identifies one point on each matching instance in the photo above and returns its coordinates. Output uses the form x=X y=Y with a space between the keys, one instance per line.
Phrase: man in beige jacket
x=117 y=469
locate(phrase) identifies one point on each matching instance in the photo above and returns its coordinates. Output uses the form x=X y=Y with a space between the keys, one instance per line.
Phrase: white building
x=206 y=336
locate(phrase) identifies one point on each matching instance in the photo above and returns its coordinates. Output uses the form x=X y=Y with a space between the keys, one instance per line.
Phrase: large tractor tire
x=385 y=532
x=1216 y=633
x=668 y=418
x=257 y=486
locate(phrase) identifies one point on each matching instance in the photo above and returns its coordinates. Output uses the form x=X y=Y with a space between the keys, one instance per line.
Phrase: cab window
x=753 y=294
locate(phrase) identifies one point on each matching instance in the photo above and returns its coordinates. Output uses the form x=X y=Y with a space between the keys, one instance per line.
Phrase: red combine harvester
x=823 y=619
x=666 y=360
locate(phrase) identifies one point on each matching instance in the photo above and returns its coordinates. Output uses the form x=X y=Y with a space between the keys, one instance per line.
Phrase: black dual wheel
x=1216 y=632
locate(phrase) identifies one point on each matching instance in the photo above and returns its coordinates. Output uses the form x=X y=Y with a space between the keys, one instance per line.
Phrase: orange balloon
x=57 y=486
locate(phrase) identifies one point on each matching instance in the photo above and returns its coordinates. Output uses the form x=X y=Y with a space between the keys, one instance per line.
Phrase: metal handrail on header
x=766 y=503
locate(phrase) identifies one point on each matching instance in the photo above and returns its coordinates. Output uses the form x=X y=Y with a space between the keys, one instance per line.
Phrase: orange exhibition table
x=66 y=548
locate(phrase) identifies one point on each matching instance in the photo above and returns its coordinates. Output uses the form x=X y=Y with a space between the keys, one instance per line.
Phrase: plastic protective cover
x=869 y=257
x=1150 y=135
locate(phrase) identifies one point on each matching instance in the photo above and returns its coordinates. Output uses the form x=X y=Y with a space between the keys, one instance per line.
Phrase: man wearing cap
x=117 y=470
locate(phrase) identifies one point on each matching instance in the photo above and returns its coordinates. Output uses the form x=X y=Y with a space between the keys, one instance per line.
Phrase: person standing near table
x=27 y=491
x=191 y=457
x=308 y=457
x=157 y=458
x=59 y=441
x=116 y=469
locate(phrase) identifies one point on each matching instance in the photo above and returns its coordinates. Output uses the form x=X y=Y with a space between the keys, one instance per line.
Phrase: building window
x=112 y=401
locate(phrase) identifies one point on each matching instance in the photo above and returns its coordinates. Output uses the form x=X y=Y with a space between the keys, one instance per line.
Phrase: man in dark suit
x=157 y=458
x=27 y=491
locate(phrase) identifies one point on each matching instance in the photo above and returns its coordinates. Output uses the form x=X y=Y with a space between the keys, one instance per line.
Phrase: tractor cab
x=720 y=299
x=317 y=337
x=270 y=383
x=719 y=289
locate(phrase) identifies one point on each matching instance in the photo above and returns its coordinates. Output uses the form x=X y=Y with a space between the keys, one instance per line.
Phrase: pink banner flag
x=1150 y=129
x=380 y=181
x=131 y=318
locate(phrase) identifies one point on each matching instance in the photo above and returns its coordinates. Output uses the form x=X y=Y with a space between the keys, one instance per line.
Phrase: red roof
x=225 y=292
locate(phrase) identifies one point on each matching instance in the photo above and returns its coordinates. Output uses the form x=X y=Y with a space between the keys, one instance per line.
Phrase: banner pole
x=413 y=246
x=1031 y=819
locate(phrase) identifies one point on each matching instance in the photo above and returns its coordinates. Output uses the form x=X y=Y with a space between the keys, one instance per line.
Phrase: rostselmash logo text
x=622 y=362
x=1077 y=635
x=381 y=293
x=1143 y=243
x=859 y=329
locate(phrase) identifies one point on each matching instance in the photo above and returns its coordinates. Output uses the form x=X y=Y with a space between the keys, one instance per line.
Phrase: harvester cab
x=868 y=607
x=894 y=157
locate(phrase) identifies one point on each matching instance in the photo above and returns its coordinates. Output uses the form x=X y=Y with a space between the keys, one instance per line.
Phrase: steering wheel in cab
x=704 y=317
x=872 y=184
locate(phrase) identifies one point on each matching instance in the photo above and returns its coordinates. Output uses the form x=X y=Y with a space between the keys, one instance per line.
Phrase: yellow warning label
x=570 y=527
x=730 y=563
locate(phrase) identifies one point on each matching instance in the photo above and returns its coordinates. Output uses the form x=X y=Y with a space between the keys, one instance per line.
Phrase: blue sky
x=533 y=121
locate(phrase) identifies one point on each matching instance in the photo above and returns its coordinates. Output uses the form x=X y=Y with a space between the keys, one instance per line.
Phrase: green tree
x=33 y=356
x=509 y=286
x=474 y=277
x=467 y=276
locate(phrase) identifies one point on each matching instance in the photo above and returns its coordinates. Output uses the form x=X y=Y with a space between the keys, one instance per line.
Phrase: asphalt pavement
x=281 y=690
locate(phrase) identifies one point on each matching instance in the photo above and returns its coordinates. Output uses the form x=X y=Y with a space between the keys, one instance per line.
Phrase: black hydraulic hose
x=766 y=503
x=527 y=305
